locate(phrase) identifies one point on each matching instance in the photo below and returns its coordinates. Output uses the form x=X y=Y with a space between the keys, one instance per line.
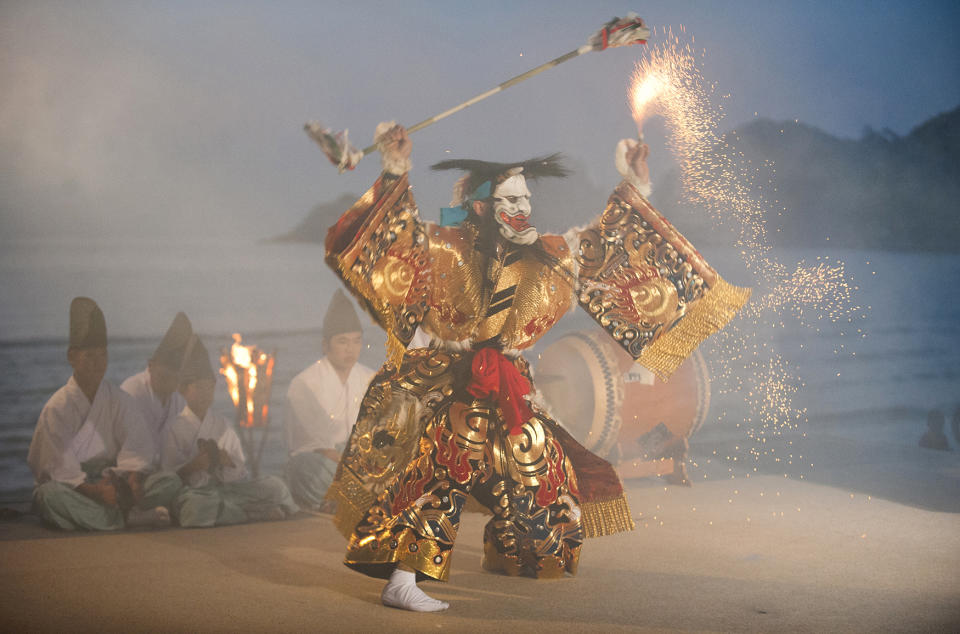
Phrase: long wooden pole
x=586 y=48
x=616 y=32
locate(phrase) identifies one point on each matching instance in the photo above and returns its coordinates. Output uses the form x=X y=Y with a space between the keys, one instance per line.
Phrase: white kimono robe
x=155 y=413
x=180 y=446
x=71 y=431
x=320 y=410
x=227 y=496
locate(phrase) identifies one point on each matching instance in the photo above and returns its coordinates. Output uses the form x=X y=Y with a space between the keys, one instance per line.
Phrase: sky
x=140 y=119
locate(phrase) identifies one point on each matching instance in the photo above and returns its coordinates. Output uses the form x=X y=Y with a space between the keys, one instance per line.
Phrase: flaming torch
x=248 y=371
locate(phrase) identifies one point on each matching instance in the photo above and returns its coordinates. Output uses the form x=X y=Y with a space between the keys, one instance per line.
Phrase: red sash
x=495 y=376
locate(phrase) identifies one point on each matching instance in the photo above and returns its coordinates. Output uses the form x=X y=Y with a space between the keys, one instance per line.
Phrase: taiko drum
x=620 y=410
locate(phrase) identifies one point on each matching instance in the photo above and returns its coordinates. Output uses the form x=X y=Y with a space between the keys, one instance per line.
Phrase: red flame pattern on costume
x=450 y=456
x=549 y=486
x=412 y=487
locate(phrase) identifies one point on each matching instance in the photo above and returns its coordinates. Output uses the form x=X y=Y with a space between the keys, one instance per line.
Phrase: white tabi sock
x=402 y=592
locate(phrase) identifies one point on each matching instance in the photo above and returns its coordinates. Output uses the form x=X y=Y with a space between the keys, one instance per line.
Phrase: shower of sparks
x=719 y=179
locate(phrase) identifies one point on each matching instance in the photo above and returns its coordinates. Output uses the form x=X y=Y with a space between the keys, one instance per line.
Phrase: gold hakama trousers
x=453 y=446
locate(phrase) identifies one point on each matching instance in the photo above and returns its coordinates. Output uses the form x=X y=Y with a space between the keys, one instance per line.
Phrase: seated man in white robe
x=155 y=389
x=91 y=454
x=205 y=451
x=322 y=405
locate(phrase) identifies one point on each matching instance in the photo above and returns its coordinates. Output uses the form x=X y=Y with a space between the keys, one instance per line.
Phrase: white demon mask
x=511 y=209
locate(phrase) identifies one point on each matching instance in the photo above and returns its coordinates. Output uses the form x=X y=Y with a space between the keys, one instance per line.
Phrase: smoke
x=86 y=137
x=164 y=118
x=106 y=129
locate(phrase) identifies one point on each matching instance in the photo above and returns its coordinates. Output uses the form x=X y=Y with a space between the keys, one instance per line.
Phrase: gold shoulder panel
x=646 y=285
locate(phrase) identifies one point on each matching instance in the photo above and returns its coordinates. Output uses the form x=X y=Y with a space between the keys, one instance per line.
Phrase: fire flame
x=645 y=87
x=248 y=372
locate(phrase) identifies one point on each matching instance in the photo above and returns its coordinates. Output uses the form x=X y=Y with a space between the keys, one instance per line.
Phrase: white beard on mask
x=511 y=209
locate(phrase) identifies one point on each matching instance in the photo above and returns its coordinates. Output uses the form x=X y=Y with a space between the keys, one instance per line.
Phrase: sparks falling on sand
x=718 y=178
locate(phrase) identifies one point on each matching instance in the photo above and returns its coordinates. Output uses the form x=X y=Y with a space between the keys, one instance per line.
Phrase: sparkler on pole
x=718 y=179
x=645 y=89
x=616 y=32
x=249 y=375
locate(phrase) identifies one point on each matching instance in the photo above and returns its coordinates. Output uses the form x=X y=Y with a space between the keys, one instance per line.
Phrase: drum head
x=580 y=382
x=604 y=408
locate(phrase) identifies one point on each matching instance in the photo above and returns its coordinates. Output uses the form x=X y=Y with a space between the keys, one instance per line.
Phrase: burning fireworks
x=646 y=87
x=717 y=178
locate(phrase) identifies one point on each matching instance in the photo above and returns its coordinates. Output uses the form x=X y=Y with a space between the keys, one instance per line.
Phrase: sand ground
x=867 y=541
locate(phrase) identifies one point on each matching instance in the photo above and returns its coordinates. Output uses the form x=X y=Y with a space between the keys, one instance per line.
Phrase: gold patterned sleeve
x=379 y=249
x=646 y=285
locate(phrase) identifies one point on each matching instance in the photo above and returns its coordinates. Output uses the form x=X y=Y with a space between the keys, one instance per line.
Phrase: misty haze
x=152 y=157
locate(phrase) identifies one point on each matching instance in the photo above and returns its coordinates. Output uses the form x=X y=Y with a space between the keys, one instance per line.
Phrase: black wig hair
x=480 y=171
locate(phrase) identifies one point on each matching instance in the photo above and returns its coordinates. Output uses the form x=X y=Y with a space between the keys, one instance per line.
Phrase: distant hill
x=881 y=191
x=314 y=227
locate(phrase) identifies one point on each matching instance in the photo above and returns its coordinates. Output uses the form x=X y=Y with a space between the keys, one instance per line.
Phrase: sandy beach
x=868 y=540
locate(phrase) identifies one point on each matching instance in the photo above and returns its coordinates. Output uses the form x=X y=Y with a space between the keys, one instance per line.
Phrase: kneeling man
x=322 y=405
x=91 y=454
x=204 y=450
x=155 y=389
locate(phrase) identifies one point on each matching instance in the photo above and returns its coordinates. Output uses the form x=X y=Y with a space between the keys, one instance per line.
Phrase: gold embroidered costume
x=427 y=437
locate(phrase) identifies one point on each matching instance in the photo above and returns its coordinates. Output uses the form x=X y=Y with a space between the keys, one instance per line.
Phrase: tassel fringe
x=353 y=501
x=708 y=315
x=606 y=518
